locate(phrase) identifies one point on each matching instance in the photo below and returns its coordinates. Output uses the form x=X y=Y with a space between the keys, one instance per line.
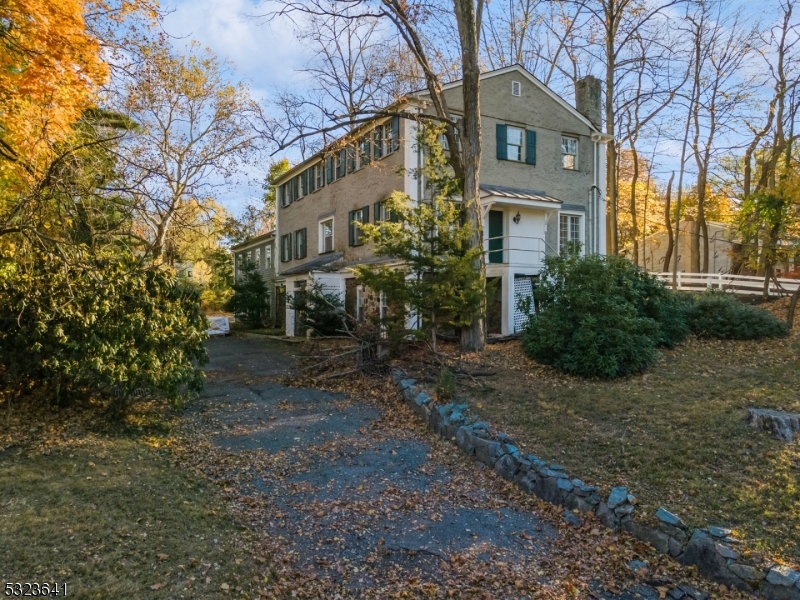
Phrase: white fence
x=747 y=285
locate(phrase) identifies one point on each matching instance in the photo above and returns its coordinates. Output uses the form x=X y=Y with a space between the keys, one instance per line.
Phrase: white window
x=326 y=236
x=268 y=257
x=360 y=304
x=516 y=88
x=257 y=259
x=514 y=142
x=569 y=152
x=569 y=233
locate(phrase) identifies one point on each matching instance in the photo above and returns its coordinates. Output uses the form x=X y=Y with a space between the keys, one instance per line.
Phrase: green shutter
x=304 y=182
x=340 y=172
x=502 y=142
x=312 y=179
x=395 y=133
x=351 y=238
x=377 y=216
x=329 y=169
x=365 y=214
x=530 y=147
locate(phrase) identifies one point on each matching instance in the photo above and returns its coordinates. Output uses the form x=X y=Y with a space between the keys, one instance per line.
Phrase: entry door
x=495 y=236
x=280 y=307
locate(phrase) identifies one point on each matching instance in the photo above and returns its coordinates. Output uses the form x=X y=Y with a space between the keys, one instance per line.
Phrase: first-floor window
x=286 y=247
x=569 y=152
x=300 y=245
x=569 y=233
x=360 y=304
x=357 y=217
x=257 y=259
x=326 y=236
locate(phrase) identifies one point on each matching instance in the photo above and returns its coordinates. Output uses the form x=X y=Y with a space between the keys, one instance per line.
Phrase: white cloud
x=265 y=54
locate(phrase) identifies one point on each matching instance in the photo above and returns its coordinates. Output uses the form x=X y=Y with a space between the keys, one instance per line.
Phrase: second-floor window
x=569 y=152
x=268 y=257
x=516 y=144
x=286 y=247
x=257 y=258
x=382 y=212
x=300 y=246
x=357 y=217
x=326 y=236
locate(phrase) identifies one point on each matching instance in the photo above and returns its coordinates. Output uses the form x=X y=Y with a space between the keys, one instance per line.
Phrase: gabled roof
x=254 y=240
x=517 y=68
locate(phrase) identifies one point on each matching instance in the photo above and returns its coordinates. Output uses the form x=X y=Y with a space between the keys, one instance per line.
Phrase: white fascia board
x=532 y=78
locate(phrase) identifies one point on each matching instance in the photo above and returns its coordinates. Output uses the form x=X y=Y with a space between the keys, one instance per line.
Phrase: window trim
x=581 y=228
x=353 y=237
x=516 y=85
x=286 y=248
x=521 y=146
x=575 y=166
x=297 y=238
x=321 y=237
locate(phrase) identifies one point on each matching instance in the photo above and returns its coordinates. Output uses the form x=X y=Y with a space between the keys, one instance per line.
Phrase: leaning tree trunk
x=668 y=223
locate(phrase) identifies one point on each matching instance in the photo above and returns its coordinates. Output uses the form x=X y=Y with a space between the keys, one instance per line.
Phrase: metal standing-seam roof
x=517 y=193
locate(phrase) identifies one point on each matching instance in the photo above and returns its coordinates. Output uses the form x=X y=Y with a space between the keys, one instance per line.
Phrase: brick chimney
x=588 y=99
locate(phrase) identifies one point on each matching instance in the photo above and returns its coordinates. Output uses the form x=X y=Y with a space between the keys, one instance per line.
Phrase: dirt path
x=352 y=497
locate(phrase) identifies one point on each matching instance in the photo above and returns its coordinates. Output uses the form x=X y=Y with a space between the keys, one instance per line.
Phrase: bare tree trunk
x=792 y=308
x=468 y=16
x=634 y=216
x=668 y=223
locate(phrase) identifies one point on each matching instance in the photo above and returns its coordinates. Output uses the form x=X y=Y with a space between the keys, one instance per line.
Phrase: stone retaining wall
x=712 y=549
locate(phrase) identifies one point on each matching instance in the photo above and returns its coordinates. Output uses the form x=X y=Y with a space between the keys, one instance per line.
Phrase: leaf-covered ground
x=259 y=490
x=354 y=498
x=676 y=436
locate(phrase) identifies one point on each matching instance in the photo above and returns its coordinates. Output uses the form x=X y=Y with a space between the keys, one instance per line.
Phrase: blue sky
x=265 y=57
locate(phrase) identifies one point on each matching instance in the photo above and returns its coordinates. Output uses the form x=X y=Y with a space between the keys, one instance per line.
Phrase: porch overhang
x=508 y=196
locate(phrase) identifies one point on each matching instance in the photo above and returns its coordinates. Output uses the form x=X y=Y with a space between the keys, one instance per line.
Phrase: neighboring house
x=260 y=251
x=542 y=188
x=723 y=246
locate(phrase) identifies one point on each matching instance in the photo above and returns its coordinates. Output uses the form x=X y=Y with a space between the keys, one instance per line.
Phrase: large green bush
x=602 y=317
x=98 y=324
x=718 y=315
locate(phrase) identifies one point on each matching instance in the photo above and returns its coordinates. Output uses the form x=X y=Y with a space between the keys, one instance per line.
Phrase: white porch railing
x=746 y=285
x=516 y=250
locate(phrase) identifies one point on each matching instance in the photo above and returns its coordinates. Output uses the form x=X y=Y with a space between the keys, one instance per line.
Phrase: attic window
x=516 y=88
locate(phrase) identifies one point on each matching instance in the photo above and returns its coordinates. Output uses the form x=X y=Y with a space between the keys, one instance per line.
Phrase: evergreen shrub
x=719 y=315
x=602 y=317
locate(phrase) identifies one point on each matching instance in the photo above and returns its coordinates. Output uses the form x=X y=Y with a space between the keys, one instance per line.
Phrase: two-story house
x=542 y=189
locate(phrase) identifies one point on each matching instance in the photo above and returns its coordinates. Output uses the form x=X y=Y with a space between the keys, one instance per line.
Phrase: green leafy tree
x=434 y=275
x=99 y=323
x=250 y=300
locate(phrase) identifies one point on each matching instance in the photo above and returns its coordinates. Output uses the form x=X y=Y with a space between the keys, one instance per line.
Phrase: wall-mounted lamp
x=517 y=218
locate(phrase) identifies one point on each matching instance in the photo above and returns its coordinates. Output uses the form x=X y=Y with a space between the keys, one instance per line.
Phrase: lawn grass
x=675 y=436
x=113 y=518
